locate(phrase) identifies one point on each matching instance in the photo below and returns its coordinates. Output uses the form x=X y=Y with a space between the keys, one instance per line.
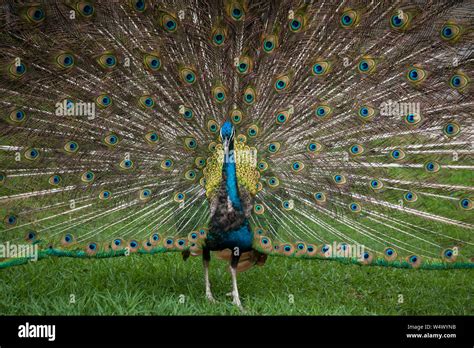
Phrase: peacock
x=328 y=130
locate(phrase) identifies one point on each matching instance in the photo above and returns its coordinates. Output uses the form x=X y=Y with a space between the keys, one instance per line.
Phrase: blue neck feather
x=229 y=170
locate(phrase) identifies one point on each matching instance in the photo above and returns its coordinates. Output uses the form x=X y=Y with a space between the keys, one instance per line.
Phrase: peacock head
x=227 y=136
x=227 y=131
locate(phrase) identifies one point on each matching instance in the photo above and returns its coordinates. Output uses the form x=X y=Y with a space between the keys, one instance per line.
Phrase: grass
x=153 y=285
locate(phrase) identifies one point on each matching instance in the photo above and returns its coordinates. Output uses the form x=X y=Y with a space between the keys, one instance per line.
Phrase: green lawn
x=152 y=285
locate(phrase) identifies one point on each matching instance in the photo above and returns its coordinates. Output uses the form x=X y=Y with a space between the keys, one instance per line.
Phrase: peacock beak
x=225 y=142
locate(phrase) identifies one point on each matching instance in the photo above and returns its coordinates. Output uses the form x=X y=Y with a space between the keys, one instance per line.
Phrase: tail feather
x=356 y=118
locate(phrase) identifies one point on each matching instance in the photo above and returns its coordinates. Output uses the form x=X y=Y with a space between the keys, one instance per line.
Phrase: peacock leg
x=206 y=257
x=235 y=291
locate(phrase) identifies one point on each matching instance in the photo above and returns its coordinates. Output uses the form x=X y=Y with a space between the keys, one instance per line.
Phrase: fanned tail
x=354 y=123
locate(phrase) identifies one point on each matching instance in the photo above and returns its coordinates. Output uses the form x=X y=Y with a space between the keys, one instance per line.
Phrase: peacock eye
x=190 y=143
x=273 y=147
x=287 y=205
x=212 y=126
x=244 y=65
x=273 y=182
x=366 y=112
x=320 y=197
x=282 y=117
x=416 y=75
x=188 y=75
x=400 y=20
x=32 y=154
x=55 y=180
x=65 y=60
x=322 y=111
x=218 y=35
x=281 y=83
x=410 y=197
x=252 y=131
x=451 y=129
x=138 y=5
x=249 y=95
x=219 y=93
x=146 y=102
x=236 y=11
x=376 y=184
x=269 y=43
x=355 y=207
x=168 y=22
x=31 y=236
x=111 y=139
x=258 y=209
x=320 y=68
x=71 y=147
x=466 y=204
x=356 y=150
x=105 y=194
x=107 y=61
x=414 y=260
x=126 y=164
x=236 y=116
x=339 y=179
x=17 y=116
x=152 y=62
x=412 y=119
x=103 y=101
x=218 y=39
x=458 y=81
x=296 y=24
x=200 y=162
x=188 y=114
x=349 y=19
x=179 y=197
x=190 y=174
x=397 y=154
x=35 y=15
x=167 y=164
x=85 y=8
x=297 y=166
x=212 y=145
x=432 y=167
x=449 y=255
x=314 y=146
x=88 y=176
x=152 y=137
x=10 y=220
x=17 y=70
x=366 y=65
x=450 y=32
x=67 y=239
x=262 y=166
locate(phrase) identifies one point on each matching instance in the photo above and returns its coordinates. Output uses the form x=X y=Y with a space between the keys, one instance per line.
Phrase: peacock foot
x=236 y=302
x=210 y=298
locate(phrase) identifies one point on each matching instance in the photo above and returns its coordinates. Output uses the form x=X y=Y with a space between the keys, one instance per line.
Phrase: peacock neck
x=229 y=173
